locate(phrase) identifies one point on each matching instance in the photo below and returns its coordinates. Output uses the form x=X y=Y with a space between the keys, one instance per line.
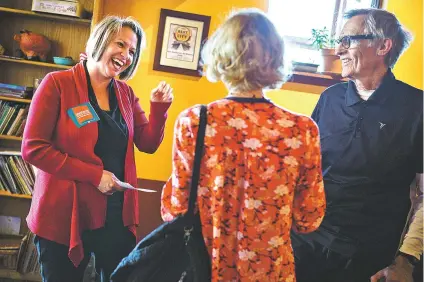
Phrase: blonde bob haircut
x=103 y=34
x=246 y=53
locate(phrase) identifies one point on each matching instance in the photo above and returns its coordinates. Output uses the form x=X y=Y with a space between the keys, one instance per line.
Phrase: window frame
x=336 y=25
x=319 y=79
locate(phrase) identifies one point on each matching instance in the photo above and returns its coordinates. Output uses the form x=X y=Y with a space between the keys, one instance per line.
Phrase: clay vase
x=34 y=46
x=330 y=61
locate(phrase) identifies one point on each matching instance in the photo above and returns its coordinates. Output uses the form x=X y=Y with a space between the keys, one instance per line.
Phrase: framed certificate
x=179 y=41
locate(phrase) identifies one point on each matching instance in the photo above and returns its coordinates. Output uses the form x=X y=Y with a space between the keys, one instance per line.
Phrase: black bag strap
x=198 y=154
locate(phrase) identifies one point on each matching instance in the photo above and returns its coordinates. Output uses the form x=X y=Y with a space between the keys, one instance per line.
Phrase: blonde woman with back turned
x=261 y=170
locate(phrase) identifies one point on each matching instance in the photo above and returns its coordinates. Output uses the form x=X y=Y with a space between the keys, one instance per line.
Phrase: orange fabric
x=260 y=177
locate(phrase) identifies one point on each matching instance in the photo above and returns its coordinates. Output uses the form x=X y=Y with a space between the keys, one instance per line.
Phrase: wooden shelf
x=8 y=137
x=44 y=15
x=10 y=153
x=35 y=63
x=20 y=100
x=10 y=195
x=11 y=274
x=321 y=79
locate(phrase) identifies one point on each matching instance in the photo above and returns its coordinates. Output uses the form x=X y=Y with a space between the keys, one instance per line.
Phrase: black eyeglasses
x=345 y=40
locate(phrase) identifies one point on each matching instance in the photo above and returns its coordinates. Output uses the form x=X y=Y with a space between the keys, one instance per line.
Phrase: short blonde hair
x=103 y=34
x=246 y=53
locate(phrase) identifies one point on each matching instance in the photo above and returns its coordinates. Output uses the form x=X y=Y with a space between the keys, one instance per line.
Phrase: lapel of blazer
x=80 y=82
x=123 y=94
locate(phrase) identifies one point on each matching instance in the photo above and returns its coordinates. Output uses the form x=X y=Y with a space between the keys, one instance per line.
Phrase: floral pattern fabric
x=260 y=176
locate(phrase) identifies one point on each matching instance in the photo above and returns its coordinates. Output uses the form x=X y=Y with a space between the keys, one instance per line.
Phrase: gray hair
x=383 y=24
x=103 y=34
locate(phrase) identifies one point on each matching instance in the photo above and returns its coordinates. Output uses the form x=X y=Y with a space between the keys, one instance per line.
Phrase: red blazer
x=66 y=200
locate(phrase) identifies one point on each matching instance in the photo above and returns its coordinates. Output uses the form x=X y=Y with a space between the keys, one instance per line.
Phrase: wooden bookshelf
x=19 y=100
x=44 y=15
x=8 y=137
x=11 y=274
x=68 y=37
x=34 y=63
x=18 y=196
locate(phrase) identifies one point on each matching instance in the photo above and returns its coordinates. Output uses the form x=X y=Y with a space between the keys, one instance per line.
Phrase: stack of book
x=15 y=91
x=9 y=251
x=12 y=118
x=16 y=176
x=19 y=254
x=28 y=257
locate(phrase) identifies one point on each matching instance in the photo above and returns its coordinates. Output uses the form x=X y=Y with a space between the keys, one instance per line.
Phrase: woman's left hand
x=162 y=93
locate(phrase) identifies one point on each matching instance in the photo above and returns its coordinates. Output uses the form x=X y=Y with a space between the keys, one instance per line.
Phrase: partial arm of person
x=37 y=146
x=309 y=199
x=401 y=269
x=175 y=194
x=148 y=133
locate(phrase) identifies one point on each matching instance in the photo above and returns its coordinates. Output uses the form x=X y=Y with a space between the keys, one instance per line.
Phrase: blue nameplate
x=83 y=114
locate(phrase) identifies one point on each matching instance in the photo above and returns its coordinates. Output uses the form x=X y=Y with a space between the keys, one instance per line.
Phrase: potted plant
x=322 y=41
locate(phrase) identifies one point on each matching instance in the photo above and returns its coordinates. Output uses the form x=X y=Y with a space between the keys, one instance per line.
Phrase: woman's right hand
x=107 y=183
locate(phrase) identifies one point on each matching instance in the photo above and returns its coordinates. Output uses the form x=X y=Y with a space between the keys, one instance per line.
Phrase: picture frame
x=180 y=39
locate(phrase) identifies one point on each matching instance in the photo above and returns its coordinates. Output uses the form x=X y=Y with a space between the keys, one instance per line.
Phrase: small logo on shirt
x=381 y=125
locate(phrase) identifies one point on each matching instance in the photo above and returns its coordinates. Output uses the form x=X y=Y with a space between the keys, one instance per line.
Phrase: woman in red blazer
x=81 y=130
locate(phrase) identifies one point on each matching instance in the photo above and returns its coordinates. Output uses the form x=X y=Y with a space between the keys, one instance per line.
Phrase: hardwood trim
x=325 y=79
x=9 y=137
x=35 y=63
x=18 y=196
x=12 y=99
x=98 y=11
x=156 y=185
x=149 y=206
x=10 y=153
x=44 y=15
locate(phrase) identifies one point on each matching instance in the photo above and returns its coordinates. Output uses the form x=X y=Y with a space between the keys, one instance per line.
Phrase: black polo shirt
x=371 y=151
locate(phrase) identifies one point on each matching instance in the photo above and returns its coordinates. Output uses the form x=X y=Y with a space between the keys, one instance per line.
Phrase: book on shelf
x=9 y=251
x=15 y=91
x=19 y=253
x=15 y=87
x=12 y=116
x=16 y=176
x=28 y=256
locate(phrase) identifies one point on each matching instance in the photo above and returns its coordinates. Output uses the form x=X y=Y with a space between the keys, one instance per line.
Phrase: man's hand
x=399 y=271
x=162 y=93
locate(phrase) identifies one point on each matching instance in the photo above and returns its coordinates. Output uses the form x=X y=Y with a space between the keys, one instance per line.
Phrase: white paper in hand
x=126 y=185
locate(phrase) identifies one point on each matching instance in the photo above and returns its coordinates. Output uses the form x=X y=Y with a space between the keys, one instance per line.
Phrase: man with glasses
x=371 y=132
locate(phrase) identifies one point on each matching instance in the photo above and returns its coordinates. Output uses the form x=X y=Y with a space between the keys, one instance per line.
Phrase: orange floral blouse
x=260 y=177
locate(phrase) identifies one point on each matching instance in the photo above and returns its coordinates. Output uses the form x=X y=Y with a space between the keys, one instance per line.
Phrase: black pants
x=316 y=263
x=109 y=245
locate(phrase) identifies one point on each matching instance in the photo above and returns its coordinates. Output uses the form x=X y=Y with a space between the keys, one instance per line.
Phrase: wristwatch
x=411 y=259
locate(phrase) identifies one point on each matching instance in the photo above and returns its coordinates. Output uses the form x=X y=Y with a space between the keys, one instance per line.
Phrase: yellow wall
x=189 y=91
x=410 y=67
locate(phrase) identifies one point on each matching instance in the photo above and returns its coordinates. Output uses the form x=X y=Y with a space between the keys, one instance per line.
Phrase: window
x=296 y=18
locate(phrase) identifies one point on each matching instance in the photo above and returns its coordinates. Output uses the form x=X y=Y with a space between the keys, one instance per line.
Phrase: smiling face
x=360 y=60
x=119 y=54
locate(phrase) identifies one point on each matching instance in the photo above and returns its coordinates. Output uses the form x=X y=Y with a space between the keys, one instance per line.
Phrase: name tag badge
x=83 y=114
